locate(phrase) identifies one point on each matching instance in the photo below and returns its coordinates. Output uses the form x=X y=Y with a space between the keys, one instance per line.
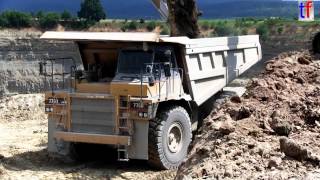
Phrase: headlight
x=140 y=114
x=49 y=109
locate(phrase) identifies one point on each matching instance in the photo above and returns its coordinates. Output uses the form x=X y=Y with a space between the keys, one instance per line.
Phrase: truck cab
x=139 y=92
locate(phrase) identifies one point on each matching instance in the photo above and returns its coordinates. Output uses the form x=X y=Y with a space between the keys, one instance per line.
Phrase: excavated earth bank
x=272 y=132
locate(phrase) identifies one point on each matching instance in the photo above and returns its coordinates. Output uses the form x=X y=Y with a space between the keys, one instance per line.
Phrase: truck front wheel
x=169 y=138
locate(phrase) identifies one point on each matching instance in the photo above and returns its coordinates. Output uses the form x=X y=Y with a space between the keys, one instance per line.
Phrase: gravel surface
x=23 y=153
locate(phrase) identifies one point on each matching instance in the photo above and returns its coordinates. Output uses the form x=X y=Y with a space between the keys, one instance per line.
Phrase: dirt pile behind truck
x=273 y=132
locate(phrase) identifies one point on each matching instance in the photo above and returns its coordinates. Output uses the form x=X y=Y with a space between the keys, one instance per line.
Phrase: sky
x=136 y=9
x=114 y=8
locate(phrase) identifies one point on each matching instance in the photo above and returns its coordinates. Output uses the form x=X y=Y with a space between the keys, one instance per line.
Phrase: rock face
x=20 y=54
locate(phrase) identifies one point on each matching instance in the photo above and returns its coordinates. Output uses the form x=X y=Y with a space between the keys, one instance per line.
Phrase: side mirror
x=78 y=74
x=149 y=69
x=41 y=68
x=167 y=69
x=151 y=80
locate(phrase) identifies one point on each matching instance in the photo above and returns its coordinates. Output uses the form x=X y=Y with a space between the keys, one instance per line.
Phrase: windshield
x=132 y=62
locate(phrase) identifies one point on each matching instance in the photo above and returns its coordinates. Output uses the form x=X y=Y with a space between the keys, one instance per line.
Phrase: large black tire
x=316 y=43
x=165 y=150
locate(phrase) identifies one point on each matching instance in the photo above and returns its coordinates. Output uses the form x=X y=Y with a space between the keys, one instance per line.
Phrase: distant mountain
x=143 y=8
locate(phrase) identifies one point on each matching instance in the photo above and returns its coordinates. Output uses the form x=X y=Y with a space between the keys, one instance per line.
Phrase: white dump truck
x=140 y=92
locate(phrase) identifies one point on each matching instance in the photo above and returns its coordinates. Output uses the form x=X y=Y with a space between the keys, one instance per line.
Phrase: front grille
x=92 y=116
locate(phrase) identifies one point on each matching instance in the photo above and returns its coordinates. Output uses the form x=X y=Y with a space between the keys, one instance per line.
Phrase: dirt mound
x=241 y=139
x=21 y=108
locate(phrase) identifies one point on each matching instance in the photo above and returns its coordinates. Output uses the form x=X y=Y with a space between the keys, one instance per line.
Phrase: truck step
x=123 y=154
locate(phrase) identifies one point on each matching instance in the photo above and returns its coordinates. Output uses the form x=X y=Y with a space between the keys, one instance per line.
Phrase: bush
x=65 y=15
x=15 y=19
x=263 y=31
x=280 y=30
x=3 y=22
x=79 y=24
x=224 y=29
x=205 y=25
x=151 y=25
x=165 y=30
x=40 y=14
x=244 y=31
x=50 y=20
x=142 y=21
x=132 y=25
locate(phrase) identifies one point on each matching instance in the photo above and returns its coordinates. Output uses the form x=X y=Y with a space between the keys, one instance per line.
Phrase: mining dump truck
x=140 y=92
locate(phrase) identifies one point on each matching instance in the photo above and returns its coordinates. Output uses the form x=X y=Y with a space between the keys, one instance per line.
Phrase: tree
x=3 y=22
x=151 y=25
x=50 y=20
x=224 y=29
x=263 y=31
x=91 y=10
x=65 y=15
x=16 y=19
x=40 y=14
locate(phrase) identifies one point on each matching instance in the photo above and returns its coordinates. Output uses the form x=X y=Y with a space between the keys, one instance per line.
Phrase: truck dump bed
x=214 y=62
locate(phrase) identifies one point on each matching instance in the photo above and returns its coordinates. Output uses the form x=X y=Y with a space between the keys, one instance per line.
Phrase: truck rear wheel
x=169 y=138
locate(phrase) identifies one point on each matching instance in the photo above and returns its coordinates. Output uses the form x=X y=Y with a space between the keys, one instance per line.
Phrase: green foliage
x=225 y=29
x=280 y=30
x=91 y=10
x=244 y=31
x=165 y=30
x=151 y=25
x=15 y=19
x=142 y=21
x=132 y=25
x=80 y=25
x=205 y=25
x=273 y=22
x=263 y=31
x=40 y=14
x=50 y=20
x=242 y=23
x=65 y=15
x=3 y=21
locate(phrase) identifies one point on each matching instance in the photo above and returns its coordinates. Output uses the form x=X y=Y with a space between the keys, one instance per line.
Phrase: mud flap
x=139 y=147
x=57 y=148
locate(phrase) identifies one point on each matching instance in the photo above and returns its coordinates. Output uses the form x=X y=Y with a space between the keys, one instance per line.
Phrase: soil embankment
x=272 y=132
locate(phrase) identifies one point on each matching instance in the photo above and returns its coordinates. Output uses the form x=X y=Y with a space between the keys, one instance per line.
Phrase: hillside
x=132 y=9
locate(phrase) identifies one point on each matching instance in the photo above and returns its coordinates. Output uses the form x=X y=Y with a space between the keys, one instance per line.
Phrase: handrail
x=73 y=68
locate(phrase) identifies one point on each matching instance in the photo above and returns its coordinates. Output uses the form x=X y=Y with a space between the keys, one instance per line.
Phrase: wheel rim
x=174 y=138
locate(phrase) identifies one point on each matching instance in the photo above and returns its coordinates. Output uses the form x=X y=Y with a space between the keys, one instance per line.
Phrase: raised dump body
x=140 y=92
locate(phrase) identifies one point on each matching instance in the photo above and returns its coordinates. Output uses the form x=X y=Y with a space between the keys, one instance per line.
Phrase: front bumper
x=93 y=138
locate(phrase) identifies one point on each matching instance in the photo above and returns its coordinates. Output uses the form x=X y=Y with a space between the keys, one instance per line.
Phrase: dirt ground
x=272 y=132
x=23 y=154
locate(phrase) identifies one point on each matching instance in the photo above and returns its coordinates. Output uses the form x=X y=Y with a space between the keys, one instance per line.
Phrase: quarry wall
x=20 y=54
